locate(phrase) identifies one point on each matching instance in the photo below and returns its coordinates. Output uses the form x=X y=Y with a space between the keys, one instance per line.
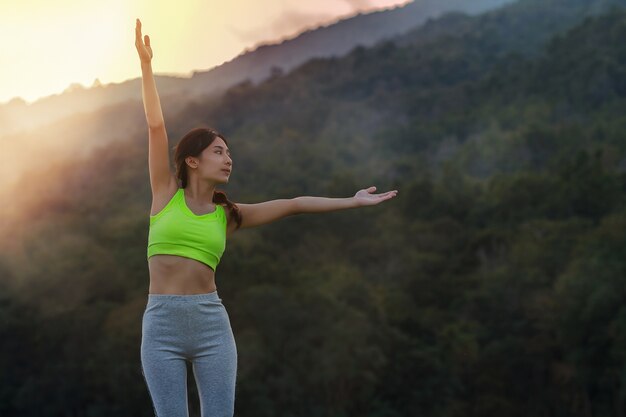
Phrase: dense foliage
x=493 y=285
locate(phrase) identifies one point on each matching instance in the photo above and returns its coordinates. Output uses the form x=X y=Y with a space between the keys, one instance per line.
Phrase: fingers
x=373 y=188
x=138 y=35
x=138 y=32
x=377 y=198
x=389 y=194
x=144 y=49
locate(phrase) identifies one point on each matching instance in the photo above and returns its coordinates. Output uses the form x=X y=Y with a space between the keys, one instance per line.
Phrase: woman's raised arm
x=161 y=177
x=151 y=102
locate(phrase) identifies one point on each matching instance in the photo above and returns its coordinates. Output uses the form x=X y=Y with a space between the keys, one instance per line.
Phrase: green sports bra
x=176 y=230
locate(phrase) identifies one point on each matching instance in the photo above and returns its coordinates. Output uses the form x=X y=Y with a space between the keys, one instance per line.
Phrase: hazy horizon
x=104 y=38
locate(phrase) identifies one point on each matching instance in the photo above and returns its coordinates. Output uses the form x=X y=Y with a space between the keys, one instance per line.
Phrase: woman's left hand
x=365 y=197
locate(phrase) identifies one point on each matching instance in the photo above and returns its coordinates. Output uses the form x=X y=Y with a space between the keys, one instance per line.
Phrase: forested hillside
x=493 y=285
x=256 y=63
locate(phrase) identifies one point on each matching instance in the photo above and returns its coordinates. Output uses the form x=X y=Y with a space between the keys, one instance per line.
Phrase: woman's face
x=215 y=161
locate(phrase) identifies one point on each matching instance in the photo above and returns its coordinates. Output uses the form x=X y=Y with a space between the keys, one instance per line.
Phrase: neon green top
x=176 y=230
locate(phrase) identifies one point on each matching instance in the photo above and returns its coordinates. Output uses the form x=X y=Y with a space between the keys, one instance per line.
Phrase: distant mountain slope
x=522 y=27
x=420 y=75
x=434 y=100
x=471 y=283
x=331 y=40
x=458 y=33
x=339 y=38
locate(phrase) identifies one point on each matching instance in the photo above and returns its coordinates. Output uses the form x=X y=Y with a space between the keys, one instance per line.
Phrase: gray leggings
x=195 y=328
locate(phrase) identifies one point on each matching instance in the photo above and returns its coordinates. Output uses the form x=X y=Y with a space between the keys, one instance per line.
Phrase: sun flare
x=48 y=46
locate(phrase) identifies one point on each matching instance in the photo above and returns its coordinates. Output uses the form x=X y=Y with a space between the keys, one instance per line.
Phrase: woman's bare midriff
x=170 y=274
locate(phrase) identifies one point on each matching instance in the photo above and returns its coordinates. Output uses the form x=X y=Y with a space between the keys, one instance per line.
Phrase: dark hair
x=192 y=144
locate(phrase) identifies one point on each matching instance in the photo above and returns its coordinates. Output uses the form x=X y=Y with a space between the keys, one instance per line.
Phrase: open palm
x=144 y=49
x=366 y=198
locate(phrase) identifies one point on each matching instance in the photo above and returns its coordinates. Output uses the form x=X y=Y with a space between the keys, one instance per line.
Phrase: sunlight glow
x=47 y=46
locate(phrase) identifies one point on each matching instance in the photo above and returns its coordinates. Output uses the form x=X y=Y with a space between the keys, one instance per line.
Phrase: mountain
x=522 y=27
x=459 y=276
x=335 y=39
x=491 y=286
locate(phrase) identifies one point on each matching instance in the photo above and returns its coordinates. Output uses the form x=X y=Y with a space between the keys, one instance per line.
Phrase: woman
x=185 y=319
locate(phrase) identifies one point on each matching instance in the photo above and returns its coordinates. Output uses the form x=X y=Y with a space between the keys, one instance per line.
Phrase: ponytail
x=219 y=197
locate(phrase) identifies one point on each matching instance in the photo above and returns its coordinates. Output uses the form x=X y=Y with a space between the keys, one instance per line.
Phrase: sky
x=45 y=46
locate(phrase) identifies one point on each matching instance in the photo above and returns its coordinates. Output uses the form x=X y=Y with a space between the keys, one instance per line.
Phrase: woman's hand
x=144 y=50
x=365 y=197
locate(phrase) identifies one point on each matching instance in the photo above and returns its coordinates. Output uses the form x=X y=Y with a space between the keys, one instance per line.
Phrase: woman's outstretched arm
x=306 y=204
x=269 y=211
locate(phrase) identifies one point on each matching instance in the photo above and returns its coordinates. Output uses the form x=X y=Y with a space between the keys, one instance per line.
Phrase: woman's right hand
x=144 y=49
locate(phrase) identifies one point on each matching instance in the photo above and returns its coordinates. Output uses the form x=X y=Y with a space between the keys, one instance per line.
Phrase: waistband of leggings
x=212 y=296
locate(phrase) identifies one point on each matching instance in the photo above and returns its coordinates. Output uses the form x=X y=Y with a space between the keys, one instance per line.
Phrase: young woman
x=185 y=319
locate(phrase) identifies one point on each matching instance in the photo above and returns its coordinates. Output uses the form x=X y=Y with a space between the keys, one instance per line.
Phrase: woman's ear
x=191 y=162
